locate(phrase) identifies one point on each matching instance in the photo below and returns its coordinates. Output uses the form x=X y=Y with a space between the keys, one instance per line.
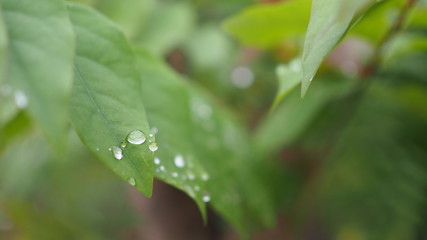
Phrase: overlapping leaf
x=202 y=150
x=106 y=100
x=39 y=61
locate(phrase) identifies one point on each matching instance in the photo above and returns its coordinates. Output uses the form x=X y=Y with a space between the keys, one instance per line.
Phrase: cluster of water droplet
x=136 y=137
x=184 y=174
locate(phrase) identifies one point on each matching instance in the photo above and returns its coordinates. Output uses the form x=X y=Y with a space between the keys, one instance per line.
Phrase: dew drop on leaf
x=174 y=174
x=153 y=147
x=156 y=161
x=136 y=137
x=179 y=161
x=154 y=130
x=117 y=152
x=21 y=100
x=132 y=181
x=206 y=197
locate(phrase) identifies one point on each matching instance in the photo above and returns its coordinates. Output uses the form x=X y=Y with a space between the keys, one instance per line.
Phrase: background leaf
x=329 y=22
x=106 y=104
x=219 y=166
x=39 y=62
x=267 y=25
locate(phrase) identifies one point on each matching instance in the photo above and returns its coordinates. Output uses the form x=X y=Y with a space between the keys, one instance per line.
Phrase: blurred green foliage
x=217 y=83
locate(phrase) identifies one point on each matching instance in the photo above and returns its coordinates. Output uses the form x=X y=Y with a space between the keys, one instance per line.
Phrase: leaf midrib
x=98 y=109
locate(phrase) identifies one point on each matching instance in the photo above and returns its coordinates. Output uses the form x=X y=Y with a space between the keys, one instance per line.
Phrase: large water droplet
x=206 y=197
x=179 y=161
x=156 y=161
x=132 y=181
x=205 y=177
x=136 y=137
x=153 y=147
x=21 y=100
x=117 y=152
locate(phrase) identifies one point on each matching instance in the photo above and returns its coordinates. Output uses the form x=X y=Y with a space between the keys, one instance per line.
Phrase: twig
x=397 y=26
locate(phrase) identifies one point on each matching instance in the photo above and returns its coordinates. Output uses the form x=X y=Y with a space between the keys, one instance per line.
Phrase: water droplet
x=117 y=152
x=136 y=137
x=205 y=177
x=206 y=197
x=179 y=161
x=97 y=149
x=150 y=135
x=132 y=181
x=150 y=141
x=242 y=77
x=156 y=161
x=191 y=176
x=153 y=147
x=123 y=145
x=154 y=130
x=109 y=149
x=21 y=100
x=162 y=168
x=174 y=174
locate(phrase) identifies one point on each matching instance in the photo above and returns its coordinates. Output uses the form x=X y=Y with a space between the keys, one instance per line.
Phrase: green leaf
x=266 y=25
x=39 y=61
x=216 y=153
x=131 y=15
x=329 y=22
x=168 y=26
x=289 y=76
x=106 y=102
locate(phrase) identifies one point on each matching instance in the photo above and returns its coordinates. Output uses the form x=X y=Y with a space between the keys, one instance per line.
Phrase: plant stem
x=397 y=26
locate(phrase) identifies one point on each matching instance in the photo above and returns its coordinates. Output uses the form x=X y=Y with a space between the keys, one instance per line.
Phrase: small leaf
x=266 y=25
x=289 y=77
x=329 y=22
x=106 y=101
x=39 y=61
